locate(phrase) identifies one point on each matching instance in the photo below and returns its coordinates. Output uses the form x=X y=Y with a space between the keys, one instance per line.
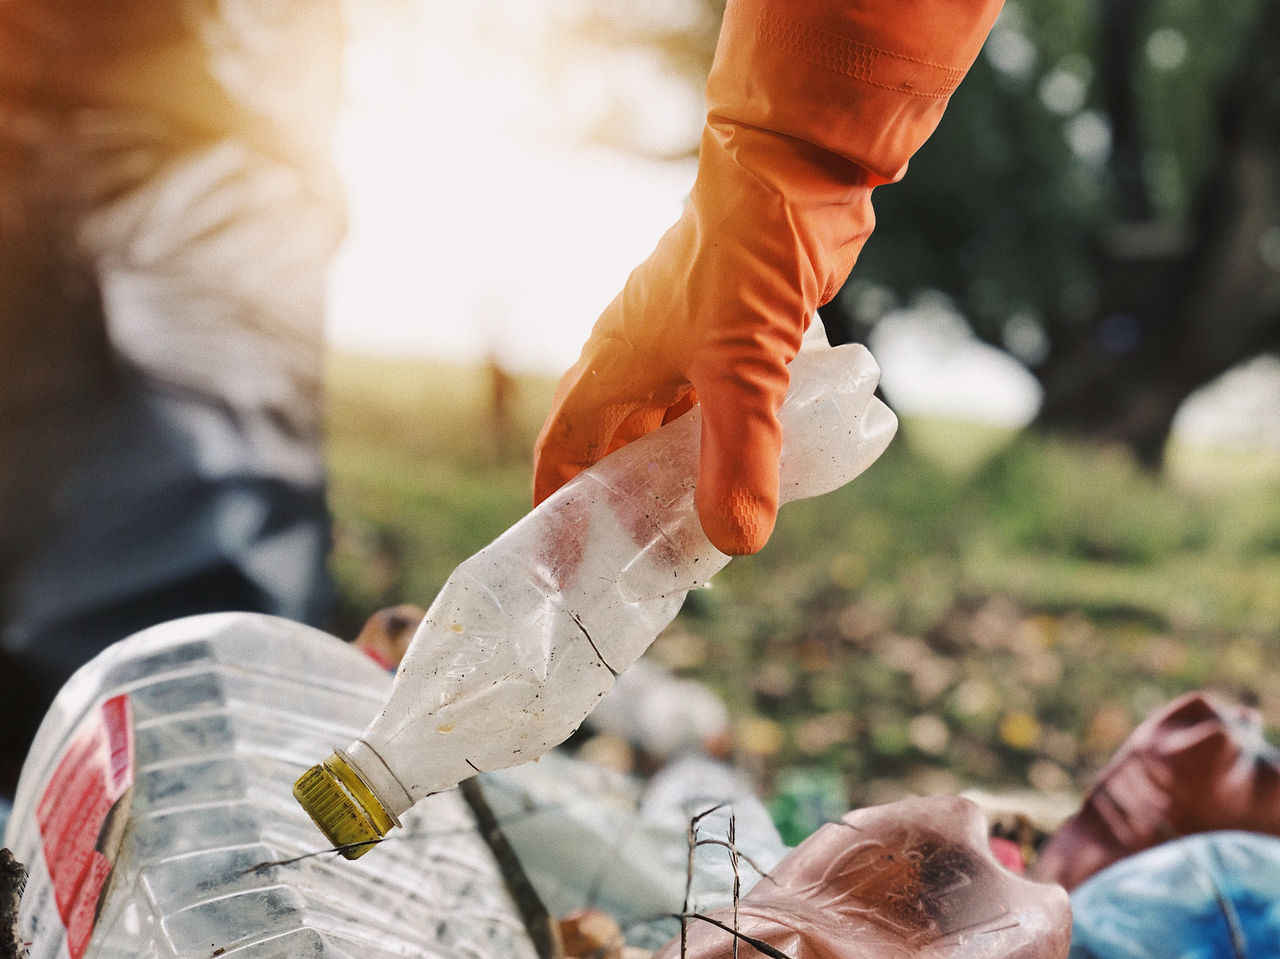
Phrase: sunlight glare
x=481 y=222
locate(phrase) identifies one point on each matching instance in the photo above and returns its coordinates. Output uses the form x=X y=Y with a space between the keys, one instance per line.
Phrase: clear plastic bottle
x=527 y=635
x=156 y=819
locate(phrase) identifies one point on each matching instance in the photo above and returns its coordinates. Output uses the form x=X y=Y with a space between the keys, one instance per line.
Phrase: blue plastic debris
x=1213 y=895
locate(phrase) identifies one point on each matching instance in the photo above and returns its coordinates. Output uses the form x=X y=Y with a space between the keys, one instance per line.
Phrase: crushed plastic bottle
x=155 y=814
x=911 y=878
x=528 y=635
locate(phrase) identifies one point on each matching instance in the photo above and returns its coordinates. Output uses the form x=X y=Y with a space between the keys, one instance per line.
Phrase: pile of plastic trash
x=155 y=820
x=1172 y=851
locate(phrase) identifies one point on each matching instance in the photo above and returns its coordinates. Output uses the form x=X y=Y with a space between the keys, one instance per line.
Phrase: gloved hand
x=811 y=104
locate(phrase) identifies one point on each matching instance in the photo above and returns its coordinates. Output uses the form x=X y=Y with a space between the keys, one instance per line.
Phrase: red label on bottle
x=94 y=773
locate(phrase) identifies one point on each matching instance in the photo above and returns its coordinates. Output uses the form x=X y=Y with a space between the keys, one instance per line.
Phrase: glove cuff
x=795 y=67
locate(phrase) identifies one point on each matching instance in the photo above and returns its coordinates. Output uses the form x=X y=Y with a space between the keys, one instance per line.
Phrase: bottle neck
x=379 y=778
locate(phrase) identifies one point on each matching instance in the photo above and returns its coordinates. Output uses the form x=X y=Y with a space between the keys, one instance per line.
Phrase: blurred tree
x=1102 y=199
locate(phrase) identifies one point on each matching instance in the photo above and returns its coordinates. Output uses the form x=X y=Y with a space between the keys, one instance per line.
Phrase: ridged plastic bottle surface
x=160 y=782
x=528 y=635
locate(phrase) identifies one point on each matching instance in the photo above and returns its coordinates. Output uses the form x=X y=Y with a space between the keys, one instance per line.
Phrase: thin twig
x=760 y=944
x=691 y=838
x=707 y=812
x=731 y=844
x=740 y=854
x=737 y=880
x=328 y=850
x=537 y=920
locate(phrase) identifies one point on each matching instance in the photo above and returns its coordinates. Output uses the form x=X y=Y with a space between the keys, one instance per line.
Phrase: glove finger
x=642 y=420
x=649 y=417
x=737 y=494
x=585 y=413
x=603 y=402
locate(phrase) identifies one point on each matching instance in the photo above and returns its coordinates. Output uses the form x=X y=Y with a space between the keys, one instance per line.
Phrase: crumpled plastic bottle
x=1215 y=894
x=528 y=635
x=911 y=878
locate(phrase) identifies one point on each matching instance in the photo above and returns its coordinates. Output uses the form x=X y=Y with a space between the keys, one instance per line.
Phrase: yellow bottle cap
x=345 y=809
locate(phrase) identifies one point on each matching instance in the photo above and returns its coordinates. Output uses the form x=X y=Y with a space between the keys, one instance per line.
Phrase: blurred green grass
x=981 y=609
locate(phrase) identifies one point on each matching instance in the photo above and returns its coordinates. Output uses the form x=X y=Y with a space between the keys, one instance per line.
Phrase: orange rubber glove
x=810 y=105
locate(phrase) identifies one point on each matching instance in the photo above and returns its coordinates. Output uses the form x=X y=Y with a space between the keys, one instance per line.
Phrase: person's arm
x=811 y=104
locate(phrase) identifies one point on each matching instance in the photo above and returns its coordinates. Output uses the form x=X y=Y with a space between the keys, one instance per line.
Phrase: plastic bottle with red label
x=155 y=815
